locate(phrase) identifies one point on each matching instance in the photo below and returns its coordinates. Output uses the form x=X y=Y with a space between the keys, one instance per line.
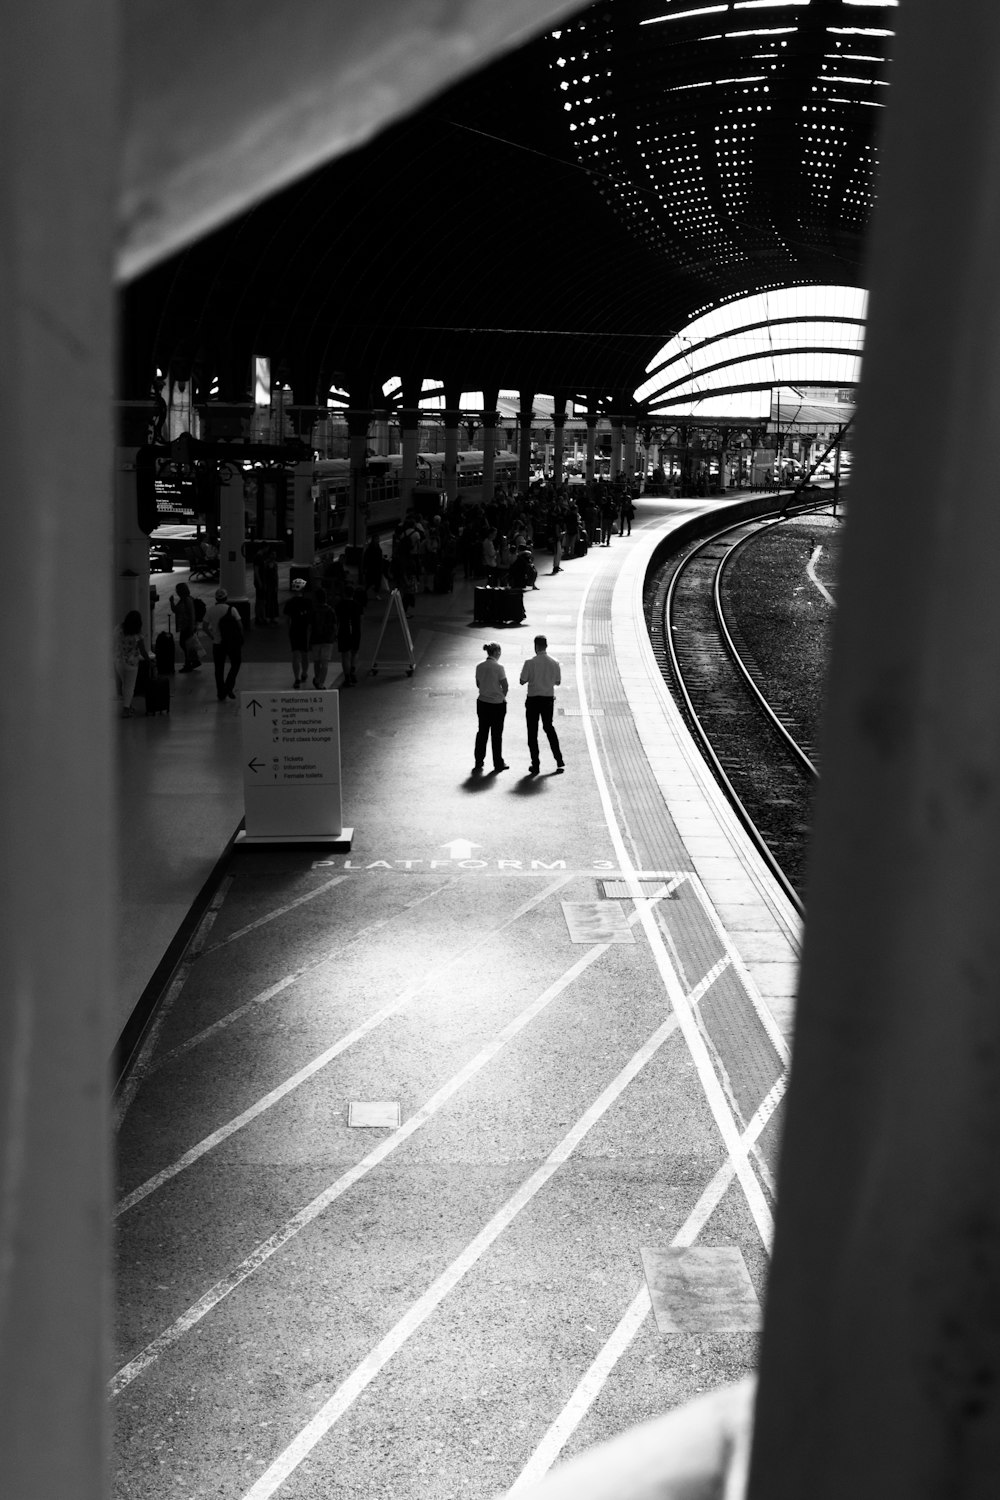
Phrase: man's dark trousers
x=536 y=709
x=226 y=682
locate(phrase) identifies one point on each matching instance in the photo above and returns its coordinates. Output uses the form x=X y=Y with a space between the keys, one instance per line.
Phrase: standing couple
x=542 y=675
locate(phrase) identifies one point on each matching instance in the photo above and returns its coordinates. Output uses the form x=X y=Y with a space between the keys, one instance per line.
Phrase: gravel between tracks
x=784 y=618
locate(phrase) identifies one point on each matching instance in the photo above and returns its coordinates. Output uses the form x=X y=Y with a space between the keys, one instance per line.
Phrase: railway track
x=753 y=736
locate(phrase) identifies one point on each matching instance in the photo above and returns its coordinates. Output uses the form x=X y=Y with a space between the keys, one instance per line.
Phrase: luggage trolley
x=394 y=604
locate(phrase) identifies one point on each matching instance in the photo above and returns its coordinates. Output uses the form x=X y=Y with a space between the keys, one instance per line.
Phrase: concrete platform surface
x=415 y=1121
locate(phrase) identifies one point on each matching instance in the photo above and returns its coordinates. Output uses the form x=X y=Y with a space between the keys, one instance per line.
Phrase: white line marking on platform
x=289 y=979
x=142 y=1066
x=595 y=1377
x=366 y=1371
x=746 y=978
x=305 y=1216
x=811 y=572
x=280 y=911
x=275 y=1096
x=711 y=1087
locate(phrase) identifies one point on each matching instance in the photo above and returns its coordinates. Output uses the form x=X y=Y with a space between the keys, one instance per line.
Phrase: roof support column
x=525 y=417
x=303 y=516
x=131 y=542
x=357 y=495
x=380 y=432
x=232 y=531
x=409 y=433
x=616 y=447
x=452 y=416
x=630 y=444
x=490 y=419
x=558 y=434
x=591 y=445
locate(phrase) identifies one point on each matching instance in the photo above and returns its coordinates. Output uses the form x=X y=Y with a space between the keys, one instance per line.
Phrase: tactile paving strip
x=746 y=1058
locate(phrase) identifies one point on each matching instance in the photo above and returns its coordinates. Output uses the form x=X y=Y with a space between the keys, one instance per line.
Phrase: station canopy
x=562 y=221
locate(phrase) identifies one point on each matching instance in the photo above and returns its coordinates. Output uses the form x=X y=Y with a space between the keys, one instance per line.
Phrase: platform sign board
x=291 y=765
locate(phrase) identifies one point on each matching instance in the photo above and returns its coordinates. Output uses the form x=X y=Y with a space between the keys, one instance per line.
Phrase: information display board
x=291 y=767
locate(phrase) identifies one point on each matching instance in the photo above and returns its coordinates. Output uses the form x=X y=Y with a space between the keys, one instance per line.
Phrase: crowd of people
x=496 y=541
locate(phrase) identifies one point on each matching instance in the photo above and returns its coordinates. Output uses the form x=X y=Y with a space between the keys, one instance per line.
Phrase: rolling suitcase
x=163 y=650
x=157 y=694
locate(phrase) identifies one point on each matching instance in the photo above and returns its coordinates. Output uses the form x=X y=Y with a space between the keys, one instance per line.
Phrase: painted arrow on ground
x=460 y=849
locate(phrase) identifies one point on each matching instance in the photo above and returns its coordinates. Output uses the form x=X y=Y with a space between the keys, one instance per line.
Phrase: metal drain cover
x=374 y=1112
x=618 y=890
x=597 y=922
x=701 y=1289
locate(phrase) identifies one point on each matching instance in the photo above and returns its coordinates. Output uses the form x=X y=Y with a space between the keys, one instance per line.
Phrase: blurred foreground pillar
x=880 y=1374
x=58 y=83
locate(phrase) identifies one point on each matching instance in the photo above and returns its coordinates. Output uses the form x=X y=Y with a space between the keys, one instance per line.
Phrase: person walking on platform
x=225 y=631
x=626 y=510
x=187 y=625
x=298 y=612
x=349 y=605
x=491 y=708
x=542 y=675
x=128 y=649
x=609 y=511
x=322 y=636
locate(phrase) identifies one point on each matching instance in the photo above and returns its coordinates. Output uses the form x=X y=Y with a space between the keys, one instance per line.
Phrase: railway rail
x=761 y=748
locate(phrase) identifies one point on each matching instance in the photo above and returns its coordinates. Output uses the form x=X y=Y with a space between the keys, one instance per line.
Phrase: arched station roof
x=800 y=335
x=553 y=221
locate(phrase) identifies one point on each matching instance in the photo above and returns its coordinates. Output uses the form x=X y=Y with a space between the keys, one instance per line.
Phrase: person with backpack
x=225 y=630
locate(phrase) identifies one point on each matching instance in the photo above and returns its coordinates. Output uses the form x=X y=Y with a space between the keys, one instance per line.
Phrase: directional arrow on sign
x=460 y=849
x=253 y=705
x=256 y=765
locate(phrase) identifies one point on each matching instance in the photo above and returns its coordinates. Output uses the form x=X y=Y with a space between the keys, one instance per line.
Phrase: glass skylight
x=802 y=335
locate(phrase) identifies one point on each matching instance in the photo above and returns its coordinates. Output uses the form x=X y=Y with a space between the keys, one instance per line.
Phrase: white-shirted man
x=542 y=675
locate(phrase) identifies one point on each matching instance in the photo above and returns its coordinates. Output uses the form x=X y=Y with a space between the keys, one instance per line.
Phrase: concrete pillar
x=380 y=433
x=451 y=417
x=630 y=446
x=303 y=516
x=490 y=419
x=409 y=424
x=591 y=445
x=131 y=570
x=881 y=1349
x=525 y=418
x=357 y=500
x=616 y=447
x=232 y=534
x=558 y=433
x=58 y=736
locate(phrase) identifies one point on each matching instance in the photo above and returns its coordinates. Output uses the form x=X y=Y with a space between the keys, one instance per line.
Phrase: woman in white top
x=491 y=707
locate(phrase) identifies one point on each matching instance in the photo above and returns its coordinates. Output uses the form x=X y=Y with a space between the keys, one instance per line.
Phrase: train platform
x=450 y=1155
